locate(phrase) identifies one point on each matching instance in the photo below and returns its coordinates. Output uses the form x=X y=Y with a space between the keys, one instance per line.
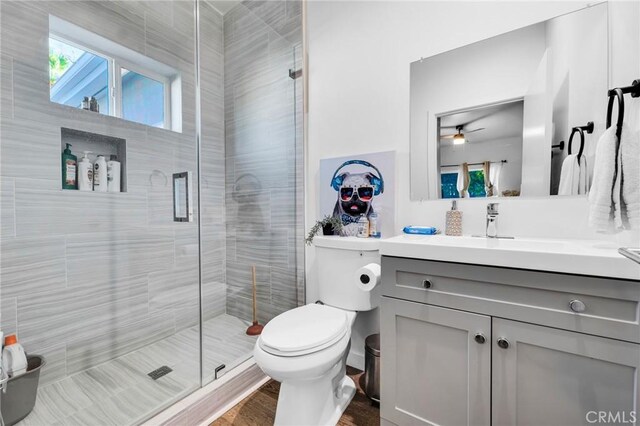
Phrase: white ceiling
x=223 y=6
x=499 y=122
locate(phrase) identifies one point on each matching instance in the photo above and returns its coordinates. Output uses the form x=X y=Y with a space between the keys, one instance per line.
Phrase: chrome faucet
x=492 y=220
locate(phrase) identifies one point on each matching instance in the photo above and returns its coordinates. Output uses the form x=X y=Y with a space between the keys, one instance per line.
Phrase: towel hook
x=580 y=130
x=619 y=95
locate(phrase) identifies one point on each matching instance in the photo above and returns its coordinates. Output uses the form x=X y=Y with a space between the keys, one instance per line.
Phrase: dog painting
x=357 y=187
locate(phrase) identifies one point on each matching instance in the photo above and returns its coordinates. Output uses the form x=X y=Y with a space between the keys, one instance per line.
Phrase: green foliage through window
x=58 y=64
x=476 y=184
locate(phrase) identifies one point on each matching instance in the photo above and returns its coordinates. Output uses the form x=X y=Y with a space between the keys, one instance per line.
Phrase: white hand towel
x=569 y=176
x=630 y=164
x=600 y=195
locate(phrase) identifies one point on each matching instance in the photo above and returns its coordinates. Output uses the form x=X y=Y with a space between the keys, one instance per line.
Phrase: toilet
x=306 y=348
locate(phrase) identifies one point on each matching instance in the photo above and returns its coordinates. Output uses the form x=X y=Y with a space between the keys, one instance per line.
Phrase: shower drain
x=159 y=372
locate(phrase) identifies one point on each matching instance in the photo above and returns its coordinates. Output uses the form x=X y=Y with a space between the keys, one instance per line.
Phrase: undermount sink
x=584 y=257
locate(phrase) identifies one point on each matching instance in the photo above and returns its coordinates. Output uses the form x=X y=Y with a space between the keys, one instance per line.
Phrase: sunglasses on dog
x=365 y=193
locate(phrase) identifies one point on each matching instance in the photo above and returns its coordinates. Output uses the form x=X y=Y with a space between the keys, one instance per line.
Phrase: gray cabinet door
x=432 y=369
x=546 y=376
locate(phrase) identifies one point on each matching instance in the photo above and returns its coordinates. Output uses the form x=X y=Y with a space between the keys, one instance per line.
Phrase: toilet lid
x=303 y=329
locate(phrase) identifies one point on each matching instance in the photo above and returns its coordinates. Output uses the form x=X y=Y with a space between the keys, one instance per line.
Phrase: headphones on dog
x=376 y=181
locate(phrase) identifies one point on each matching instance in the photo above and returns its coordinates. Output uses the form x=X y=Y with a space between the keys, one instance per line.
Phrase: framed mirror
x=494 y=118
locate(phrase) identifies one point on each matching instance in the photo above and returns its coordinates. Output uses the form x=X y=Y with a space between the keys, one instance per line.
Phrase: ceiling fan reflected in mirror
x=459 y=137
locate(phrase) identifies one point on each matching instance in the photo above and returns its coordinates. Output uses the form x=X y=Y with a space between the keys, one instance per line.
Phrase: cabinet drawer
x=610 y=306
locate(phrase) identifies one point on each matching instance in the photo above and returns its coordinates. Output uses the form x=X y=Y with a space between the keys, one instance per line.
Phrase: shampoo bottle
x=454 y=221
x=113 y=174
x=14 y=360
x=69 y=169
x=100 y=174
x=85 y=173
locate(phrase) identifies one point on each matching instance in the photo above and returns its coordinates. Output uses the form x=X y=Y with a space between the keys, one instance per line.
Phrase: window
x=142 y=99
x=75 y=73
x=476 y=184
x=449 y=184
x=124 y=83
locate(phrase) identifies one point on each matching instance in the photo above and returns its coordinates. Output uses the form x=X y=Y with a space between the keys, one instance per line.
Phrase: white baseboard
x=356 y=360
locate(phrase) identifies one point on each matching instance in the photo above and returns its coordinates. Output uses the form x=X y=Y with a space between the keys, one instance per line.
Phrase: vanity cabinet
x=546 y=376
x=436 y=366
x=544 y=354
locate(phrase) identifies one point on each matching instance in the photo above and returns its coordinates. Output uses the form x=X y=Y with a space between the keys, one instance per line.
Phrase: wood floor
x=259 y=408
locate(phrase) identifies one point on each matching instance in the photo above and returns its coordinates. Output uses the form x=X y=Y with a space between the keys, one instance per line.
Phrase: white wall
x=359 y=56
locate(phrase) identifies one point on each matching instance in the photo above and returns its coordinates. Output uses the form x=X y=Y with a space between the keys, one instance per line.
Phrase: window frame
x=115 y=64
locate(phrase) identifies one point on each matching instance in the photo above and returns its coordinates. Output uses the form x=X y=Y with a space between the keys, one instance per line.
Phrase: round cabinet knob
x=479 y=338
x=577 y=306
x=426 y=283
x=503 y=343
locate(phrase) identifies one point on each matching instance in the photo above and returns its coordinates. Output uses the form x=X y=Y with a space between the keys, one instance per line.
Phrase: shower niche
x=96 y=144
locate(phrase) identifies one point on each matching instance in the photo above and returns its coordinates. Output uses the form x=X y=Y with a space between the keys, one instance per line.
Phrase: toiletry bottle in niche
x=100 y=174
x=374 y=225
x=86 y=104
x=454 y=220
x=113 y=174
x=363 y=227
x=69 y=169
x=85 y=173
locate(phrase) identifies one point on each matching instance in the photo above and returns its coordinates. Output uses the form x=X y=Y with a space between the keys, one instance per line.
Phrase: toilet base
x=314 y=402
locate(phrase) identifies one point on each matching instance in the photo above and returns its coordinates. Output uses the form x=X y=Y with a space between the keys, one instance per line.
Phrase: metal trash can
x=20 y=397
x=372 y=367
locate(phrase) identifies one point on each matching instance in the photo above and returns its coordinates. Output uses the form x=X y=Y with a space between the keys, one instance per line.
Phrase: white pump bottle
x=85 y=173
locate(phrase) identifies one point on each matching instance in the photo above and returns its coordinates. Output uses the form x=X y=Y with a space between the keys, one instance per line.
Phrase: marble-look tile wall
x=86 y=277
x=212 y=161
x=264 y=199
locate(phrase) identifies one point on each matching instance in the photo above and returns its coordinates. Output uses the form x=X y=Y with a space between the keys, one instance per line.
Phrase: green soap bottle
x=69 y=169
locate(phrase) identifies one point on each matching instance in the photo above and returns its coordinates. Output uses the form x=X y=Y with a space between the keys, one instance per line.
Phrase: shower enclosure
x=131 y=309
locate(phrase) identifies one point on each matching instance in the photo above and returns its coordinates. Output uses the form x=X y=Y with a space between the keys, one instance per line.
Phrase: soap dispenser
x=69 y=169
x=454 y=221
x=85 y=173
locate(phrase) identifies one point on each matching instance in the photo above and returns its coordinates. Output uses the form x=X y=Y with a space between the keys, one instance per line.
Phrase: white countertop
x=583 y=257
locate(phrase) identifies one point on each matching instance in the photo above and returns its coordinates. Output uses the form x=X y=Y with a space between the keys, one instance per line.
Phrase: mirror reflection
x=480 y=152
x=494 y=118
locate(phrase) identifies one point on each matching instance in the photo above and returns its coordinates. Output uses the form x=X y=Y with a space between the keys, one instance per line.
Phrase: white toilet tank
x=339 y=259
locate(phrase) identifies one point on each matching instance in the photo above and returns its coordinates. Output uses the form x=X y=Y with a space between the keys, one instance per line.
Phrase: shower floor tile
x=119 y=392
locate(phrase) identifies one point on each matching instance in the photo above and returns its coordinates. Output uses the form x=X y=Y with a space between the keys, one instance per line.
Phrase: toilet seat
x=304 y=330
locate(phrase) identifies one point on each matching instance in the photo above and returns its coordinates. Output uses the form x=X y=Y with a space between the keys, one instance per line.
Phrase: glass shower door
x=261 y=170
